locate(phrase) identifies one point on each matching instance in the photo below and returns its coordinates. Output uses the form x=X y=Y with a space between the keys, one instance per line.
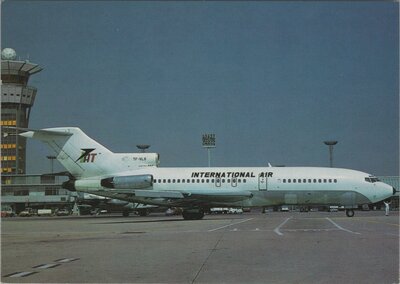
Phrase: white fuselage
x=268 y=186
x=136 y=177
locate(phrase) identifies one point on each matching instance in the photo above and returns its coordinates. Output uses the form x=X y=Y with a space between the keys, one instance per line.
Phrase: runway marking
x=341 y=228
x=212 y=230
x=41 y=266
x=45 y=266
x=20 y=274
x=253 y=230
x=65 y=260
x=310 y=230
x=277 y=229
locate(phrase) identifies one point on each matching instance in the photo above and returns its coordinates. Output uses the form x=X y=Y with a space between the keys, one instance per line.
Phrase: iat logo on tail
x=87 y=156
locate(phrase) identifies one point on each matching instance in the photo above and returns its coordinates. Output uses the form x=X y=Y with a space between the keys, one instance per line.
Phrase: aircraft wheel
x=349 y=212
x=125 y=213
x=193 y=215
x=143 y=212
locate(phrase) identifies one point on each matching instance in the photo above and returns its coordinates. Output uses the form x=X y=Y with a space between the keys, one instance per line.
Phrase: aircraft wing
x=179 y=198
x=220 y=195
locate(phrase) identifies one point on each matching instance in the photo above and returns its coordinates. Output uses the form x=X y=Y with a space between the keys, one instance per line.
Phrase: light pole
x=208 y=143
x=330 y=144
x=143 y=147
x=51 y=158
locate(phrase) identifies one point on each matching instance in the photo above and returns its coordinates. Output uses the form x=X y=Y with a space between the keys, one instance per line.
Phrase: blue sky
x=272 y=80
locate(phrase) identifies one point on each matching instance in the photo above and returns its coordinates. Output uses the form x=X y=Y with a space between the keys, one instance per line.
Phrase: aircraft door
x=234 y=182
x=262 y=182
x=218 y=182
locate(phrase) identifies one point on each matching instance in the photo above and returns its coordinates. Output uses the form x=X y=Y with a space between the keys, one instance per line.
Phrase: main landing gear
x=193 y=214
x=349 y=212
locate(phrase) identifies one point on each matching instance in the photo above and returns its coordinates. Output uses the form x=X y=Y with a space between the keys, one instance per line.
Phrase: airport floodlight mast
x=208 y=143
x=143 y=147
x=330 y=144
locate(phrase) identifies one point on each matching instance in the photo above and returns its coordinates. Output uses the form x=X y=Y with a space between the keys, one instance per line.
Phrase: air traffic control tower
x=17 y=99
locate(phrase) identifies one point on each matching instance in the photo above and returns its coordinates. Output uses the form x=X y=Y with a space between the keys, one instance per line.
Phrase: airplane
x=137 y=177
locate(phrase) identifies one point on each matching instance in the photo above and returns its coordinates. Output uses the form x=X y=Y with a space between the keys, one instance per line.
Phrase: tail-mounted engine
x=128 y=182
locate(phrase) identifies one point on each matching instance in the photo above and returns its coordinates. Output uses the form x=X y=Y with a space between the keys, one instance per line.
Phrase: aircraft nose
x=394 y=190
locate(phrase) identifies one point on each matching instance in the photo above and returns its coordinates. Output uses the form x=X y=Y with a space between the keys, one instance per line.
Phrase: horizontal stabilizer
x=44 y=134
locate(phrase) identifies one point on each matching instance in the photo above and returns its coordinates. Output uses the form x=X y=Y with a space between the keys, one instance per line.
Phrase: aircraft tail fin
x=78 y=153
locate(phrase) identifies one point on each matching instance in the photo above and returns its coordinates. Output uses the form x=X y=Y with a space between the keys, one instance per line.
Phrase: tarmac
x=276 y=247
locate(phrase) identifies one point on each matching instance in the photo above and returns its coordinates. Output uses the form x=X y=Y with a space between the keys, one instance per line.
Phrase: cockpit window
x=371 y=179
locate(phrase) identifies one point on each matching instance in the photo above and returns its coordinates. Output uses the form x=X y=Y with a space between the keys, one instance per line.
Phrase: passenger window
x=207 y=180
x=202 y=181
x=198 y=180
x=309 y=180
x=244 y=180
x=173 y=181
x=314 y=180
x=164 y=181
x=284 y=180
x=324 y=180
x=319 y=180
x=223 y=180
x=335 y=180
x=304 y=180
x=169 y=181
x=330 y=180
x=299 y=180
x=289 y=180
x=179 y=181
x=183 y=180
x=228 y=181
x=193 y=181
x=294 y=180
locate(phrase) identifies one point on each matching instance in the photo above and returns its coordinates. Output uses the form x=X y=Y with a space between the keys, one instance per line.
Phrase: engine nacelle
x=117 y=202
x=128 y=182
